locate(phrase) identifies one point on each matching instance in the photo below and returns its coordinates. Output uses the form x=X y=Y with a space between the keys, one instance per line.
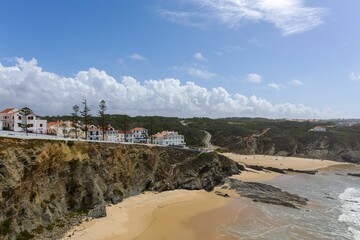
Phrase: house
x=318 y=129
x=140 y=135
x=169 y=138
x=125 y=136
x=12 y=120
x=111 y=134
x=1 y=125
x=94 y=133
x=64 y=129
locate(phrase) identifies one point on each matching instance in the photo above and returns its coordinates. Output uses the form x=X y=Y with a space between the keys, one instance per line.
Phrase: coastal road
x=207 y=141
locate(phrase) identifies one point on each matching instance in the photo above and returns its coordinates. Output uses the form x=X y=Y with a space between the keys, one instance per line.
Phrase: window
x=31 y=125
x=19 y=117
x=31 y=118
x=41 y=125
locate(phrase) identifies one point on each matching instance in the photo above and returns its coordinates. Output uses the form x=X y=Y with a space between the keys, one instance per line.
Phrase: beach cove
x=183 y=214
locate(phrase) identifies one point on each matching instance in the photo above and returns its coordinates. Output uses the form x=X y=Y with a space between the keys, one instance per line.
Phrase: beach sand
x=183 y=214
x=166 y=215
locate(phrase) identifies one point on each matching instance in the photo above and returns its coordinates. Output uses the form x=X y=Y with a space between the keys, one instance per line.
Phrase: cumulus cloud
x=254 y=78
x=354 y=76
x=290 y=16
x=200 y=73
x=295 y=82
x=26 y=84
x=275 y=86
x=137 y=57
x=200 y=57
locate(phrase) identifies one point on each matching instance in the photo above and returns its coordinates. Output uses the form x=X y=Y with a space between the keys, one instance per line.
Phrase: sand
x=166 y=215
x=182 y=214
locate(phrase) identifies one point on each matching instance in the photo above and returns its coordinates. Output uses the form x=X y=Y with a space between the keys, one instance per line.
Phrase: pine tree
x=85 y=114
x=25 y=112
x=75 y=119
x=101 y=112
x=125 y=126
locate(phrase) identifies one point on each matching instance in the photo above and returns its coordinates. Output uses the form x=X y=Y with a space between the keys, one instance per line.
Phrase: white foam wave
x=351 y=210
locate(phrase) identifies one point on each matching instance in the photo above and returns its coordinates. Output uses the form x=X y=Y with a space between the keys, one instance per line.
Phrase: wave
x=351 y=210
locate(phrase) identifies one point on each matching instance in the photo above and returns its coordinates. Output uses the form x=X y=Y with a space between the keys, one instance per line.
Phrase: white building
x=319 y=129
x=140 y=135
x=64 y=129
x=94 y=133
x=1 y=125
x=126 y=136
x=169 y=138
x=111 y=134
x=12 y=120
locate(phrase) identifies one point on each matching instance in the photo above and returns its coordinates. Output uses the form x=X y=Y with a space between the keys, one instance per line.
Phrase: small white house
x=12 y=120
x=319 y=129
x=140 y=135
x=1 y=125
x=169 y=138
x=126 y=136
x=94 y=133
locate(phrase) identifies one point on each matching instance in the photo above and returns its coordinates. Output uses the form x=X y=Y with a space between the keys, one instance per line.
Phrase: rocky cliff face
x=43 y=181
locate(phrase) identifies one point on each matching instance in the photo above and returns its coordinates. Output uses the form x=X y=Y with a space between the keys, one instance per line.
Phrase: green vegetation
x=24 y=235
x=5 y=227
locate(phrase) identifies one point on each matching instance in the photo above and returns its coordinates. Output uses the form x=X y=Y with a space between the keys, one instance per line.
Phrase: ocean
x=333 y=211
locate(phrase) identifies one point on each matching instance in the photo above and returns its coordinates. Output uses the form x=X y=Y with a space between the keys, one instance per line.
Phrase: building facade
x=169 y=138
x=13 y=119
x=141 y=135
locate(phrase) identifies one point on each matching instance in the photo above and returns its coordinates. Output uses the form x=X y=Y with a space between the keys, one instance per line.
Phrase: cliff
x=45 y=183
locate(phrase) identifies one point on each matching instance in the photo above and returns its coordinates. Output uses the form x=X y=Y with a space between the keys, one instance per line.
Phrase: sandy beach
x=183 y=214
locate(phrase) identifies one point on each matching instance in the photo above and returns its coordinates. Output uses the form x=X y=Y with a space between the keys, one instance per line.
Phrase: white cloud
x=290 y=16
x=354 y=76
x=200 y=73
x=137 y=57
x=27 y=84
x=254 y=78
x=275 y=86
x=200 y=57
x=295 y=82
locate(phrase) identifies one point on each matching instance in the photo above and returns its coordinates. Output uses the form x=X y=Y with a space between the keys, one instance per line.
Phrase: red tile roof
x=7 y=110
x=137 y=129
x=50 y=124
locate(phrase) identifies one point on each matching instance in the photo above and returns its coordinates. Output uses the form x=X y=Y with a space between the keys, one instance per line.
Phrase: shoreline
x=183 y=214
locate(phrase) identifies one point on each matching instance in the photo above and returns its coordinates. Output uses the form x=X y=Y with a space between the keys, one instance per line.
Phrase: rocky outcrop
x=354 y=174
x=264 y=193
x=45 y=182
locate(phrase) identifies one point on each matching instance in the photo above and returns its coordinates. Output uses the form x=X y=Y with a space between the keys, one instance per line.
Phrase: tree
x=75 y=119
x=151 y=132
x=25 y=112
x=101 y=112
x=125 y=125
x=85 y=114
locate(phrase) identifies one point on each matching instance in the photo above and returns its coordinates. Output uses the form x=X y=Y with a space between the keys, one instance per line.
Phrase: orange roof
x=137 y=129
x=50 y=124
x=7 y=110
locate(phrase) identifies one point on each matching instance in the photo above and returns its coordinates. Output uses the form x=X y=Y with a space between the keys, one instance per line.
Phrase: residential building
x=111 y=134
x=1 y=125
x=140 y=135
x=64 y=129
x=319 y=129
x=169 y=138
x=94 y=133
x=12 y=120
x=126 y=136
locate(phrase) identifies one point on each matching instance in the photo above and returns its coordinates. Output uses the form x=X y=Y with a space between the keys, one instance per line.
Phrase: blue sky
x=297 y=58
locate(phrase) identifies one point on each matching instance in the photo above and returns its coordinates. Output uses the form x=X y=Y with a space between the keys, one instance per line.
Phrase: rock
x=221 y=194
x=98 y=212
x=264 y=193
x=354 y=174
x=311 y=172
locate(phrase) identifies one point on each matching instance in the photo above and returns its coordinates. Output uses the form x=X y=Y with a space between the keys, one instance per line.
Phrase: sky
x=185 y=58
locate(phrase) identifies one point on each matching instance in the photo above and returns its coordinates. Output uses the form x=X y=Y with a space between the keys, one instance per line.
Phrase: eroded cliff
x=43 y=182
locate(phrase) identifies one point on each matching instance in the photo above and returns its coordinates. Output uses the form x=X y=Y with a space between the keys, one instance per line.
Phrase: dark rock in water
x=354 y=174
x=264 y=193
x=98 y=212
x=225 y=195
x=311 y=172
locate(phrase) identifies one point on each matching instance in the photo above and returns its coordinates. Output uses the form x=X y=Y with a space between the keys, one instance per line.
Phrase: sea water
x=333 y=211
